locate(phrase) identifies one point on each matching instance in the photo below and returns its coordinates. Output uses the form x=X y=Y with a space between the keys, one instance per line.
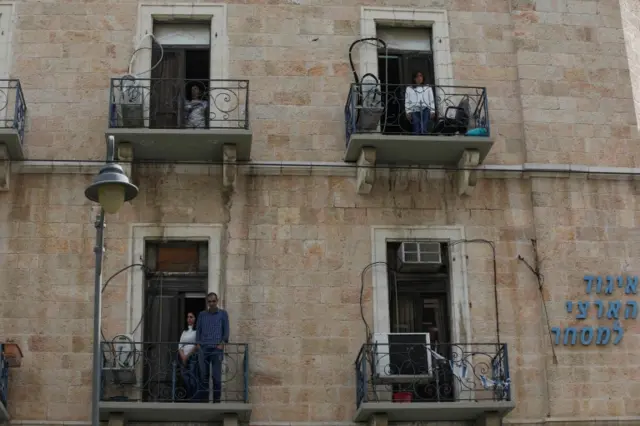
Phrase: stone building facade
x=291 y=237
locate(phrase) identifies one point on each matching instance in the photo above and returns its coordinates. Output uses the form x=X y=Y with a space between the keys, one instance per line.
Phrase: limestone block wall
x=558 y=78
x=296 y=247
x=576 y=98
x=630 y=12
x=556 y=73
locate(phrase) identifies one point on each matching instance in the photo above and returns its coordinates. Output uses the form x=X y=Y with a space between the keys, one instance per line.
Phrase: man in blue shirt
x=212 y=332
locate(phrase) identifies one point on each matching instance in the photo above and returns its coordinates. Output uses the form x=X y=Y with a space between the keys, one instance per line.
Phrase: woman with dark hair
x=196 y=108
x=419 y=104
x=188 y=359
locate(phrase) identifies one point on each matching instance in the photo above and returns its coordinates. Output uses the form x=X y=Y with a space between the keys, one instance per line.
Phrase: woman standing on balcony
x=196 y=109
x=419 y=104
x=188 y=359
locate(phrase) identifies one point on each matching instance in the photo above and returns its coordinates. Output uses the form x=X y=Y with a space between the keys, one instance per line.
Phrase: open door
x=167 y=88
x=396 y=71
x=163 y=326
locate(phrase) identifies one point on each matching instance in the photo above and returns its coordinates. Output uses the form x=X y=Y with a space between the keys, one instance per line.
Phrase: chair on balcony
x=455 y=119
x=460 y=120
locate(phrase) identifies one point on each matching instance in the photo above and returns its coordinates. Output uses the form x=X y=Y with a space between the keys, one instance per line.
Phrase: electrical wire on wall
x=117 y=347
x=130 y=92
x=495 y=276
x=535 y=269
x=371 y=97
x=369 y=335
x=367 y=328
x=491 y=244
x=126 y=268
x=139 y=48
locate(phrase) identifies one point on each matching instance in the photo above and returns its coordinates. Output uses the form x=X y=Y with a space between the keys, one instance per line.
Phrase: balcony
x=379 y=132
x=148 y=382
x=180 y=121
x=445 y=382
x=13 y=113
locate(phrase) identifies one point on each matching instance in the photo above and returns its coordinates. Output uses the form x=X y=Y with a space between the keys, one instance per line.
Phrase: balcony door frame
x=219 y=45
x=435 y=19
x=169 y=87
x=460 y=315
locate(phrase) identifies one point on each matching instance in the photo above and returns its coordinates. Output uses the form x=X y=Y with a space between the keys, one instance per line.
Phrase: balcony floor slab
x=184 y=145
x=11 y=138
x=427 y=150
x=432 y=411
x=183 y=412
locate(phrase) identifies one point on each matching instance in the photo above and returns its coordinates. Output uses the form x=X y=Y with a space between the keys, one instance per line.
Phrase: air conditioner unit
x=119 y=360
x=402 y=357
x=419 y=256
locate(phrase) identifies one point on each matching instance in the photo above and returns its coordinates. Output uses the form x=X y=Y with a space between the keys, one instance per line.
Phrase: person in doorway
x=212 y=332
x=419 y=105
x=188 y=359
x=196 y=108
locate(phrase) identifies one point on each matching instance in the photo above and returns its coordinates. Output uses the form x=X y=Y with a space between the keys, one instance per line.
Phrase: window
x=180 y=74
x=419 y=300
x=408 y=51
x=181 y=29
x=419 y=27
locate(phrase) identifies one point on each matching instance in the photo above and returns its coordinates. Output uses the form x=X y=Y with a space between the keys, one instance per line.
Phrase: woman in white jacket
x=419 y=104
x=188 y=359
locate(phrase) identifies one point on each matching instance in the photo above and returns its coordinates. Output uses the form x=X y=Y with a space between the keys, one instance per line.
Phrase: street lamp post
x=111 y=188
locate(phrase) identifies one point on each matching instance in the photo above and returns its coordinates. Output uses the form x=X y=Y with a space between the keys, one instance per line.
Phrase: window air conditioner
x=419 y=256
x=402 y=357
x=119 y=360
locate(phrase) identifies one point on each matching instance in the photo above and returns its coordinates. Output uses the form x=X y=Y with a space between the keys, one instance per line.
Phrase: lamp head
x=111 y=188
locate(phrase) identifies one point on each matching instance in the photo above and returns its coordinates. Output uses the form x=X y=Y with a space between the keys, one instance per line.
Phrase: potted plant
x=12 y=353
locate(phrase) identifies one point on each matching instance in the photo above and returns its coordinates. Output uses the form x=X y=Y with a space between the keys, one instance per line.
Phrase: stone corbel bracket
x=468 y=177
x=124 y=153
x=366 y=172
x=5 y=168
x=229 y=167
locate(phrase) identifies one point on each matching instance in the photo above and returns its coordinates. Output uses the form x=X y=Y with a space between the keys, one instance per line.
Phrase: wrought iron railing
x=432 y=373
x=384 y=108
x=13 y=108
x=178 y=103
x=4 y=379
x=173 y=372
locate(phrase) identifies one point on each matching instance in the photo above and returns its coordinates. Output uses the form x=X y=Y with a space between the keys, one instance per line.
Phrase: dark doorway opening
x=194 y=304
x=396 y=69
x=179 y=69
x=177 y=284
x=419 y=303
